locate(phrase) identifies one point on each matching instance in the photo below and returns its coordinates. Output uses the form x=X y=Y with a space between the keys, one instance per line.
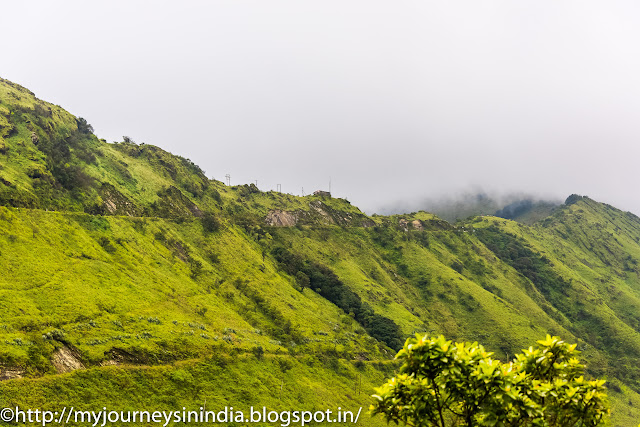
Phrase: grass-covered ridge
x=144 y=270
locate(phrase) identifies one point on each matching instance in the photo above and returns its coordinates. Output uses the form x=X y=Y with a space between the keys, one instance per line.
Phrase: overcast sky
x=394 y=101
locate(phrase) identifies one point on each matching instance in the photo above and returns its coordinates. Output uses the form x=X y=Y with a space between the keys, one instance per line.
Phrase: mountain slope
x=125 y=263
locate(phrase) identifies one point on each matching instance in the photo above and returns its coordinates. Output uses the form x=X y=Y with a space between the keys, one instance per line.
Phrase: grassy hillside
x=129 y=276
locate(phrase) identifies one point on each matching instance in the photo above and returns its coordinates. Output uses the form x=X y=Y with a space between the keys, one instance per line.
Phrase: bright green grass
x=137 y=292
x=242 y=381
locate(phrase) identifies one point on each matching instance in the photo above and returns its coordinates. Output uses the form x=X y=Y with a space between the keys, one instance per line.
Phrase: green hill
x=131 y=280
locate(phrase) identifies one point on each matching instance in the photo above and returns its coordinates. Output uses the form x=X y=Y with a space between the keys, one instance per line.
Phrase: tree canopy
x=441 y=383
x=83 y=126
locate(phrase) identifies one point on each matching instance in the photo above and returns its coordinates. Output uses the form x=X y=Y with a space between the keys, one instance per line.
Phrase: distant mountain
x=129 y=276
x=519 y=207
x=527 y=211
x=464 y=206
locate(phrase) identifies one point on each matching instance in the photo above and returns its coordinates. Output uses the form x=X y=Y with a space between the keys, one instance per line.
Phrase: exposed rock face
x=6 y=129
x=406 y=225
x=318 y=207
x=174 y=204
x=110 y=205
x=278 y=218
x=366 y=222
x=319 y=213
x=64 y=360
x=115 y=203
x=10 y=373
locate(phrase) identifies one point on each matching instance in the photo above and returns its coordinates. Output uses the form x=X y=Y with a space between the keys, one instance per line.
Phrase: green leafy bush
x=445 y=384
x=210 y=223
x=83 y=126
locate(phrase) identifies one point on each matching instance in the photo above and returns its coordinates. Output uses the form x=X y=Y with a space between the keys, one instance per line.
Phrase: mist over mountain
x=461 y=205
x=405 y=101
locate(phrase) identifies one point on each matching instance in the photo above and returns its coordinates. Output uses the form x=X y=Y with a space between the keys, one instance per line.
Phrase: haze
x=394 y=102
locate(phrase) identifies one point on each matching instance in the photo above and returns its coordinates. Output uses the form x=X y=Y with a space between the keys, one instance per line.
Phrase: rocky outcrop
x=320 y=209
x=116 y=203
x=173 y=204
x=278 y=218
x=319 y=213
x=65 y=360
x=10 y=373
x=406 y=225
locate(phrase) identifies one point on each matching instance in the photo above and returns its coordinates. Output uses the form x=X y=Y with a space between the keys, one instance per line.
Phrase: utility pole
x=228 y=179
x=256 y=182
x=302 y=191
x=279 y=188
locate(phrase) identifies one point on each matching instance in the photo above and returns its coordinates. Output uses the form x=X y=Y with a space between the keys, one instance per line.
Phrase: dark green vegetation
x=327 y=284
x=527 y=211
x=128 y=261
